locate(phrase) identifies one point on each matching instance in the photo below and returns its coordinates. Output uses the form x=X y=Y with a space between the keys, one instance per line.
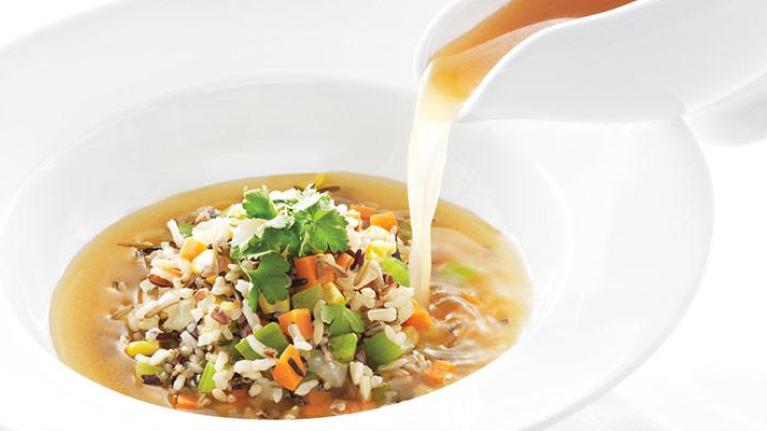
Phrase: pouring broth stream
x=453 y=73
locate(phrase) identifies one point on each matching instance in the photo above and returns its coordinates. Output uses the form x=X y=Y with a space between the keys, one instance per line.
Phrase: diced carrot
x=345 y=260
x=302 y=317
x=186 y=401
x=365 y=211
x=421 y=319
x=435 y=374
x=470 y=298
x=290 y=370
x=306 y=268
x=326 y=277
x=385 y=220
x=317 y=404
x=191 y=248
x=355 y=406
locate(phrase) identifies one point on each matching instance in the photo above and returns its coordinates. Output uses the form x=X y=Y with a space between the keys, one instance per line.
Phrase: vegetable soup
x=291 y=299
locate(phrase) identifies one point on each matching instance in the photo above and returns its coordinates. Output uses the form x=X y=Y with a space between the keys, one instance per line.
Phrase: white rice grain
x=256 y=345
x=221 y=287
x=365 y=387
x=221 y=361
x=382 y=314
x=188 y=340
x=179 y=383
x=356 y=370
x=393 y=366
x=298 y=339
x=175 y=232
x=208 y=338
x=220 y=395
x=306 y=387
x=254 y=390
x=277 y=395
x=160 y=356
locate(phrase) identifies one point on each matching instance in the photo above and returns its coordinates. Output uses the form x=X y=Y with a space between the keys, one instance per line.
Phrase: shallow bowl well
x=122 y=107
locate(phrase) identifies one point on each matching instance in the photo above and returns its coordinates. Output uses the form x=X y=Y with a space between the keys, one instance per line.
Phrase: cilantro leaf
x=257 y=204
x=322 y=229
x=253 y=298
x=185 y=229
x=276 y=240
x=342 y=320
x=270 y=278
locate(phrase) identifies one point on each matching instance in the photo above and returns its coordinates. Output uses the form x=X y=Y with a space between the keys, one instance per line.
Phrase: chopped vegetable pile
x=283 y=297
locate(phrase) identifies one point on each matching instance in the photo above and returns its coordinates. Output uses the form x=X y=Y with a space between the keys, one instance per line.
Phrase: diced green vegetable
x=207 y=384
x=332 y=372
x=267 y=308
x=272 y=336
x=342 y=320
x=307 y=298
x=397 y=269
x=332 y=295
x=185 y=229
x=310 y=375
x=379 y=394
x=405 y=230
x=380 y=350
x=144 y=369
x=247 y=352
x=457 y=272
x=343 y=347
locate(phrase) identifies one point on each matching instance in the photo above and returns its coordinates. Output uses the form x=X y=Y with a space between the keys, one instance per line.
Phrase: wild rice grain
x=295 y=367
x=151 y=380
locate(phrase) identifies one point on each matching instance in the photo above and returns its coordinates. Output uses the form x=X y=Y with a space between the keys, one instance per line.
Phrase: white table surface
x=711 y=374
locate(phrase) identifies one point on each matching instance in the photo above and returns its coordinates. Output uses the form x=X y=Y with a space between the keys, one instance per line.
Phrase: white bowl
x=118 y=108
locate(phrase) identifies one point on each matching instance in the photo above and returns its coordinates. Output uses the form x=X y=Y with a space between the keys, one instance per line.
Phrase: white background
x=711 y=374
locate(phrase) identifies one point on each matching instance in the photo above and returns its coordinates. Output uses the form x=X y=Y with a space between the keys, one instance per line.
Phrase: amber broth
x=85 y=337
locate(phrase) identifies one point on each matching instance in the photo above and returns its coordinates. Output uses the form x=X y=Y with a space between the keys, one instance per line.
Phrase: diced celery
x=272 y=336
x=380 y=350
x=206 y=380
x=457 y=272
x=310 y=375
x=343 y=347
x=144 y=369
x=144 y=347
x=266 y=307
x=185 y=229
x=247 y=352
x=331 y=372
x=397 y=269
x=379 y=394
x=332 y=294
x=307 y=298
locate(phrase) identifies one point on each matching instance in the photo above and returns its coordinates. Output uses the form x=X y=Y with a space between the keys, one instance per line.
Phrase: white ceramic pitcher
x=704 y=60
